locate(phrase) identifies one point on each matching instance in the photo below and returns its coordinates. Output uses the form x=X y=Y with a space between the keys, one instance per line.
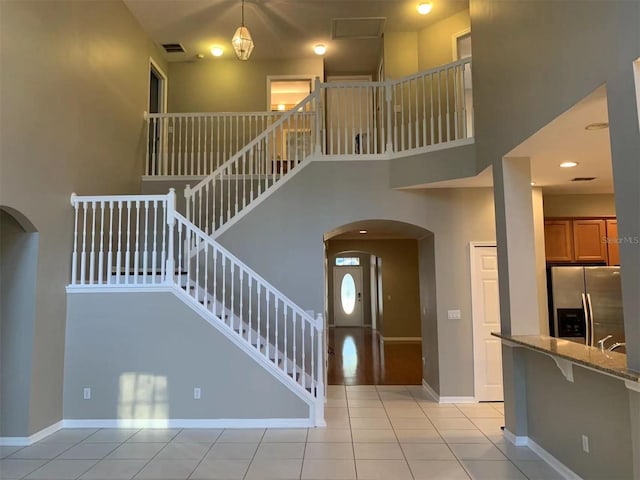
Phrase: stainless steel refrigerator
x=587 y=304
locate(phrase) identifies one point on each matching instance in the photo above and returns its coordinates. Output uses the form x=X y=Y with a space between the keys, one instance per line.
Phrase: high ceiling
x=285 y=29
x=563 y=139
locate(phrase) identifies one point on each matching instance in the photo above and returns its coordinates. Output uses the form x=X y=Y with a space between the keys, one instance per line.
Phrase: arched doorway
x=18 y=271
x=374 y=302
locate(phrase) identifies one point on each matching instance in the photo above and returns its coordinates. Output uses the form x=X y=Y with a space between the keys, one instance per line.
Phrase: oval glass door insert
x=348 y=294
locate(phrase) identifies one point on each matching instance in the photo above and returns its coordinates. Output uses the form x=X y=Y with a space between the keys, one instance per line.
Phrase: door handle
x=591 y=319
x=587 y=336
x=359 y=296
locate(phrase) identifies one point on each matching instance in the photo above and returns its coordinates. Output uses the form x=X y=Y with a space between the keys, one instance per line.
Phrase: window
x=347 y=261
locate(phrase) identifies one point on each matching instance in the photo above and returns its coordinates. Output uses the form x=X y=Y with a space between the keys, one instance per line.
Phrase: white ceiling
x=282 y=29
x=563 y=139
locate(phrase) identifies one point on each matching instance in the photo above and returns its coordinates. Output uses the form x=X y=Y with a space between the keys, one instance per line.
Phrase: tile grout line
x=398 y=440
x=205 y=455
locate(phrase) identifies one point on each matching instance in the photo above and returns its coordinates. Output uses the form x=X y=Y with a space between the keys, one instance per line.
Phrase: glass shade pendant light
x=241 y=41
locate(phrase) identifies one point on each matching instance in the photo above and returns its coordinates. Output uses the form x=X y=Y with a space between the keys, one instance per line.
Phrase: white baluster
x=101 y=253
x=110 y=252
x=277 y=320
x=285 y=351
x=92 y=255
x=74 y=255
x=154 y=257
x=136 y=255
x=171 y=210
x=83 y=271
x=267 y=295
x=119 y=252
x=303 y=322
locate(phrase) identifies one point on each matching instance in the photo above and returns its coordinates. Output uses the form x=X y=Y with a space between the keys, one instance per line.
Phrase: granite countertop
x=611 y=363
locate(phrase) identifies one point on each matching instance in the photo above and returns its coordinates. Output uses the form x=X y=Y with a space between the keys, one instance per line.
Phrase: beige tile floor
x=373 y=433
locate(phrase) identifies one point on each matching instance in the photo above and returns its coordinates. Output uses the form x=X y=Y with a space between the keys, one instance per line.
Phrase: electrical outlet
x=196 y=393
x=585 y=444
x=86 y=393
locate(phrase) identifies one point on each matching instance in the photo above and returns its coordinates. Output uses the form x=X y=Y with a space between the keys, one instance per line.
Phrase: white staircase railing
x=415 y=112
x=195 y=144
x=257 y=167
x=131 y=241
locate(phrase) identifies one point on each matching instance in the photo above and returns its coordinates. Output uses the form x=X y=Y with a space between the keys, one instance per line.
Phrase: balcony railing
x=356 y=120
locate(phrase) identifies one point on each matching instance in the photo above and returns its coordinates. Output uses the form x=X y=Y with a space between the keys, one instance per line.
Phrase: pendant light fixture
x=241 y=41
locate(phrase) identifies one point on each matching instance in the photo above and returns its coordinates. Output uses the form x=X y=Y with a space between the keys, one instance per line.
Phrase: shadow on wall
x=18 y=271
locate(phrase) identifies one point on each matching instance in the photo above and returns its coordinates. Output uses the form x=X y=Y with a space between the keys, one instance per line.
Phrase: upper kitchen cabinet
x=589 y=243
x=558 y=244
x=581 y=240
x=613 y=249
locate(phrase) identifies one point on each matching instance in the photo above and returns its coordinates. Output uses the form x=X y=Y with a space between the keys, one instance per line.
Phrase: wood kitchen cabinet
x=613 y=248
x=580 y=240
x=558 y=240
x=589 y=240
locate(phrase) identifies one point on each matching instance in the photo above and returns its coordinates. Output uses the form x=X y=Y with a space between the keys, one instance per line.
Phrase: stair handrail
x=140 y=232
x=259 y=159
x=306 y=362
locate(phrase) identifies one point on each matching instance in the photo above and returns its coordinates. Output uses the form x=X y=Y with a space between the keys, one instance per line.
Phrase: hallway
x=357 y=356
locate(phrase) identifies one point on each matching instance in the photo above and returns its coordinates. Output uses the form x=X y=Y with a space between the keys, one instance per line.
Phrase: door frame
x=278 y=78
x=164 y=85
x=336 y=289
x=474 y=305
x=454 y=42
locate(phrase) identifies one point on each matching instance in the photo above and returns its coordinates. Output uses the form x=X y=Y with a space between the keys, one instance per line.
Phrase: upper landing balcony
x=426 y=111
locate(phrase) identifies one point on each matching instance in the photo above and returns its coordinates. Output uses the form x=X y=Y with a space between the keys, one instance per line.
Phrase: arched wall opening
x=18 y=271
x=395 y=280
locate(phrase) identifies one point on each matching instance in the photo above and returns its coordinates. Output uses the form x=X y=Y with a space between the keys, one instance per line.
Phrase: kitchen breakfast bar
x=575 y=405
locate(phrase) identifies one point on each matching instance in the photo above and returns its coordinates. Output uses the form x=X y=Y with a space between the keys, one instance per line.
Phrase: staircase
x=142 y=241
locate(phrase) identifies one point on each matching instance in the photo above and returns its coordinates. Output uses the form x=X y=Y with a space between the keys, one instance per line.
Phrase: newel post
x=322 y=371
x=171 y=220
x=389 y=97
x=319 y=116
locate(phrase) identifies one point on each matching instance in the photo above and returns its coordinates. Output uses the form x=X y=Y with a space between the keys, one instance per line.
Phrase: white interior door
x=347 y=296
x=485 y=305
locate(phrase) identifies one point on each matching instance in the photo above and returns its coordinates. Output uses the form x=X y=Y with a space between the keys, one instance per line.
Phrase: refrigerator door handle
x=591 y=319
x=587 y=337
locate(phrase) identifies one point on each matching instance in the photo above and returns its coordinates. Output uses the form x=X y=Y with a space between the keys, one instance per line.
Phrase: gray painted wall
x=18 y=263
x=282 y=239
x=74 y=85
x=428 y=312
x=554 y=58
x=579 y=205
x=143 y=353
x=441 y=165
x=560 y=412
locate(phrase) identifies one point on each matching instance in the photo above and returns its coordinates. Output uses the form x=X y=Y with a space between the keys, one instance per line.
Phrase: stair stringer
x=259 y=358
x=264 y=195
x=236 y=323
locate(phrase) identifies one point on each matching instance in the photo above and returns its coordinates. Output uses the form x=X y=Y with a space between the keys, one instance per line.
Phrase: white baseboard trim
x=36 y=437
x=430 y=391
x=458 y=400
x=440 y=399
x=190 y=423
x=518 y=441
x=401 y=339
x=557 y=465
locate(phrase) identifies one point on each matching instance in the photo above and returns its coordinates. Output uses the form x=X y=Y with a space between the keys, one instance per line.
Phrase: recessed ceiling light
x=568 y=164
x=597 y=126
x=199 y=56
x=320 y=49
x=424 y=8
x=533 y=184
x=363 y=231
x=217 y=51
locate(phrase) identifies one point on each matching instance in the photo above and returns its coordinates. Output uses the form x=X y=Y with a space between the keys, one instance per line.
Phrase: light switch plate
x=454 y=314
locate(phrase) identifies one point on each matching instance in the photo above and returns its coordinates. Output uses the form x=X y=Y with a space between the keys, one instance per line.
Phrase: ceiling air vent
x=583 y=179
x=358 y=27
x=173 y=47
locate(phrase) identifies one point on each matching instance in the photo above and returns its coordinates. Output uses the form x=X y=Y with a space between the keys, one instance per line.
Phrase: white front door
x=485 y=305
x=347 y=296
